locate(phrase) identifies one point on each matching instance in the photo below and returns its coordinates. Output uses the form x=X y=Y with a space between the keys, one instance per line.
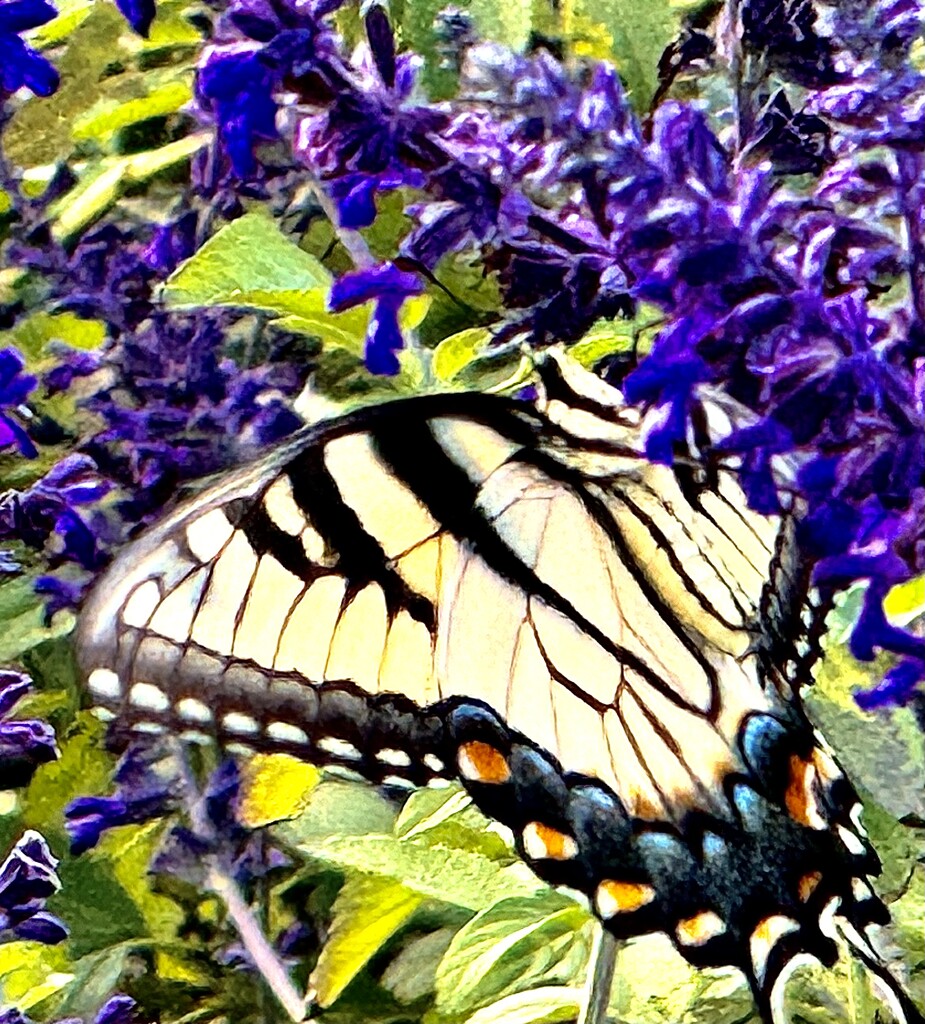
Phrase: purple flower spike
x=20 y=66
x=27 y=879
x=15 y=386
x=45 y=515
x=238 y=87
x=24 y=745
x=388 y=287
x=138 y=13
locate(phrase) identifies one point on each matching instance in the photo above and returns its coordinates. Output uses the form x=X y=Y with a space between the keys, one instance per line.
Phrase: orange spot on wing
x=808 y=884
x=613 y=897
x=481 y=762
x=800 y=797
x=699 y=929
x=541 y=841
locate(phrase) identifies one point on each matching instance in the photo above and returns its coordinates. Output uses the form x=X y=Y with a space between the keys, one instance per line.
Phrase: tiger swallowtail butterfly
x=607 y=653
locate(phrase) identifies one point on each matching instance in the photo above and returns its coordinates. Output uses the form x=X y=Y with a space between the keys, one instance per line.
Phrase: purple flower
x=45 y=516
x=24 y=745
x=20 y=66
x=27 y=879
x=138 y=13
x=248 y=856
x=146 y=788
x=237 y=86
x=15 y=387
x=118 y=1009
x=388 y=287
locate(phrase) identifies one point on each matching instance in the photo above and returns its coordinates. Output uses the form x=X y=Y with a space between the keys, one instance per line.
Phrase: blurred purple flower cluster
x=24 y=745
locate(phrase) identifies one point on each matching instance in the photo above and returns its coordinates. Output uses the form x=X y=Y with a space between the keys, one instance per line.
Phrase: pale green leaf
x=250 y=262
x=549 y=1005
x=110 y=115
x=457 y=351
x=466 y=879
x=512 y=945
x=367 y=912
x=410 y=976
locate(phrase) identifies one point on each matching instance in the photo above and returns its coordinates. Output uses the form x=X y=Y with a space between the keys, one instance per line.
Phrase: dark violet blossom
x=237 y=87
x=147 y=787
x=387 y=287
x=46 y=516
x=27 y=879
x=24 y=745
x=244 y=851
x=20 y=66
x=15 y=387
x=138 y=13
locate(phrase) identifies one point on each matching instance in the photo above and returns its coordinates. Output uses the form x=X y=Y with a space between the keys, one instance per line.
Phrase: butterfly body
x=598 y=647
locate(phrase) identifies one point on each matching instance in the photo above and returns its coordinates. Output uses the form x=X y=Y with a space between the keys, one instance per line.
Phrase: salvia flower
x=26 y=744
x=387 y=287
x=20 y=66
x=27 y=879
x=147 y=787
x=15 y=387
x=46 y=515
x=138 y=13
x=245 y=853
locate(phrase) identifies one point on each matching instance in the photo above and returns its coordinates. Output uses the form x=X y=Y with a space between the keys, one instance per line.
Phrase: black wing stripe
x=599 y=512
x=668 y=550
x=360 y=558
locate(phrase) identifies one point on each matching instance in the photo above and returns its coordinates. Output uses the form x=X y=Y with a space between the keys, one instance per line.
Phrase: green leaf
x=411 y=975
x=511 y=946
x=274 y=787
x=22 y=613
x=31 y=972
x=94 y=980
x=339 y=808
x=632 y=34
x=447 y=817
x=248 y=263
x=368 y=911
x=549 y=1005
x=468 y=880
x=104 y=182
x=32 y=334
x=882 y=753
x=457 y=351
x=110 y=115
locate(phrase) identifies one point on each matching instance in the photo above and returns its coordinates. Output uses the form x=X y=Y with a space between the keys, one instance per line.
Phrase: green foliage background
x=423 y=912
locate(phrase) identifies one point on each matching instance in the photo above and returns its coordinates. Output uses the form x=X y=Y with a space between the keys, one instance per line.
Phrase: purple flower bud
x=118 y=1009
x=24 y=745
x=146 y=788
x=138 y=13
x=27 y=879
x=20 y=66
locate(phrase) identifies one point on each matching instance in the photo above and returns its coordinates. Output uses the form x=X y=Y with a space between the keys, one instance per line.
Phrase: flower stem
x=221 y=882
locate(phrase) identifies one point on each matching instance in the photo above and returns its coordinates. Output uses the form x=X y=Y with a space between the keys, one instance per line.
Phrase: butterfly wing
x=458 y=586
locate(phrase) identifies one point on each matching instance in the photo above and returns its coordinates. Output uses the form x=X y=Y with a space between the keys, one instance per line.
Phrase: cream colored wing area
x=553 y=681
